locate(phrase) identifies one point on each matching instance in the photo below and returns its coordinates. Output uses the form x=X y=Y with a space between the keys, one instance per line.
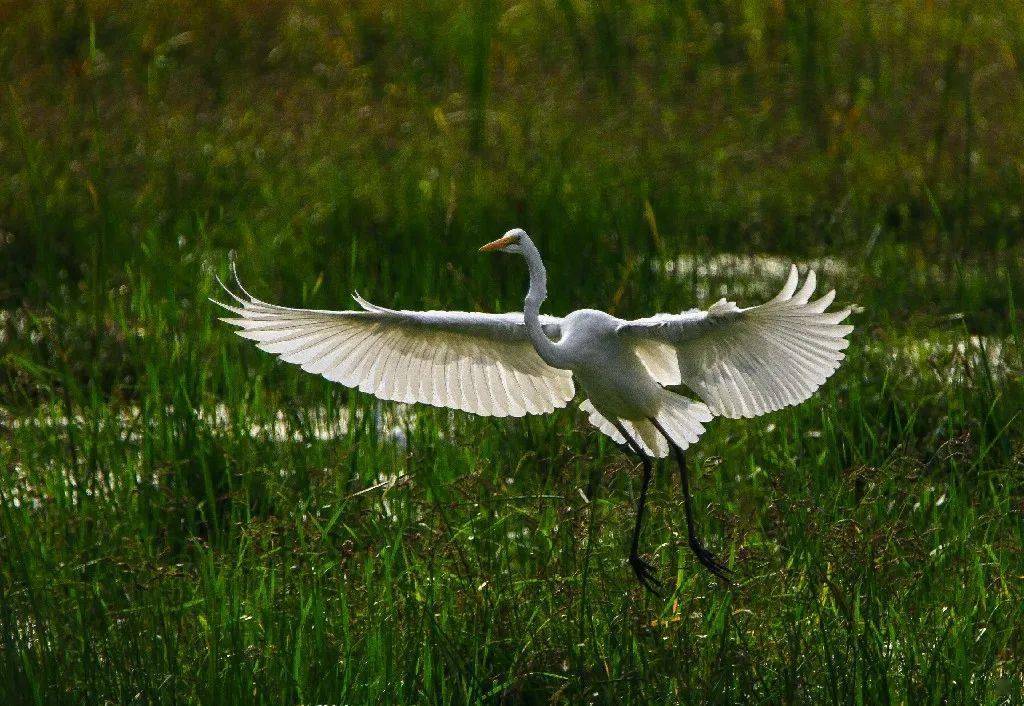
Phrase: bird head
x=510 y=242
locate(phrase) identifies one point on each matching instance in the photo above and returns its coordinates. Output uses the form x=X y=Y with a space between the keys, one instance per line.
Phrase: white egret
x=740 y=362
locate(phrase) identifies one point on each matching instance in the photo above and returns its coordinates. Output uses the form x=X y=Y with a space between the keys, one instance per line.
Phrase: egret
x=739 y=362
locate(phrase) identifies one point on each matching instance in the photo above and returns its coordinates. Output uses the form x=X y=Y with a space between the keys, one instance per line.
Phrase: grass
x=184 y=520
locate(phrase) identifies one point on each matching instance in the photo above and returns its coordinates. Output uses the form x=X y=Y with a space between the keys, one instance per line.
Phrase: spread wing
x=746 y=362
x=479 y=363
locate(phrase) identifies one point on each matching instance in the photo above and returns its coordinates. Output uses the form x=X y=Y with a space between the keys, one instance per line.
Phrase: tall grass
x=183 y=520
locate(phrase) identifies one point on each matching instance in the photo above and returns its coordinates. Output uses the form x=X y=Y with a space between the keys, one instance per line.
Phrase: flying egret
x=740 y=362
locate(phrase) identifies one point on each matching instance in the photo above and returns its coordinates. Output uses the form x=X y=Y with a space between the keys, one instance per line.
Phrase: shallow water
x=754 y=277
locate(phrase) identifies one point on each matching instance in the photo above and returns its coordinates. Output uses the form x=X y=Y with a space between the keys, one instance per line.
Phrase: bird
x=637 y=375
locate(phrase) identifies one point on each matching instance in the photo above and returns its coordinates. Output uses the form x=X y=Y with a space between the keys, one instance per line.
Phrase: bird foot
x=707 y=559
x=645 y=574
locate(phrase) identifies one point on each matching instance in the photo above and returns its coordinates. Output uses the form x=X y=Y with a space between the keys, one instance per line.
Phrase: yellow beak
x=498 y=244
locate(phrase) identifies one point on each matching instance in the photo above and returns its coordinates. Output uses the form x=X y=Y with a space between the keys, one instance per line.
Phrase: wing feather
x=746 y=362
x=480 y=363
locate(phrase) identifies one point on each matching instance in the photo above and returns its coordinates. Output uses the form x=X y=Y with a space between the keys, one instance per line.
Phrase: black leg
x=700 y=551
x=644 y=570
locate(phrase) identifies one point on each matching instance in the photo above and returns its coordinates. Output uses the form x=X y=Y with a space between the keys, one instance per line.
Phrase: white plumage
x=479 y=363
x=740 y=362
x=747 y=362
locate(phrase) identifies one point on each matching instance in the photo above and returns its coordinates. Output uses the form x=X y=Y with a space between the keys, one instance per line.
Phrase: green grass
x=182 y=519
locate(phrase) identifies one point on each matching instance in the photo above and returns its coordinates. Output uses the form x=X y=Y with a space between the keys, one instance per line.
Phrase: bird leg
x=644 y=570
x=705 y=557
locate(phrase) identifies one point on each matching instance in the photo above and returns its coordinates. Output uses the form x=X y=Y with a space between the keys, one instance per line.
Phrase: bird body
x=740 y=362
x=593 y=347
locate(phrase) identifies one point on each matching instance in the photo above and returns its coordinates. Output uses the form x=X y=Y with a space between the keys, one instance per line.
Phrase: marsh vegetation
x=182 y=519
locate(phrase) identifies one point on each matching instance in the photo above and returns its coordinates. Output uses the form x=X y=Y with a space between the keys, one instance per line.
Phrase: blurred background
x=345 y=141
x=160 y=474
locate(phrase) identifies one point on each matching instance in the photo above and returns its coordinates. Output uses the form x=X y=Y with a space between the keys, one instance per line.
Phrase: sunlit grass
x=202 y=538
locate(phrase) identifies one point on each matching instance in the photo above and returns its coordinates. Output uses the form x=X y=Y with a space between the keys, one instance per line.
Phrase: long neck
x=549 y=352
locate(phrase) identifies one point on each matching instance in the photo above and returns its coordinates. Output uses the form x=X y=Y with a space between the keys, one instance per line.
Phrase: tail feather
x=682 y=418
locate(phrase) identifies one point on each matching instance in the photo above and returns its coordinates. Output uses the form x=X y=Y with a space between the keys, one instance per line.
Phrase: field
x=184 y=519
